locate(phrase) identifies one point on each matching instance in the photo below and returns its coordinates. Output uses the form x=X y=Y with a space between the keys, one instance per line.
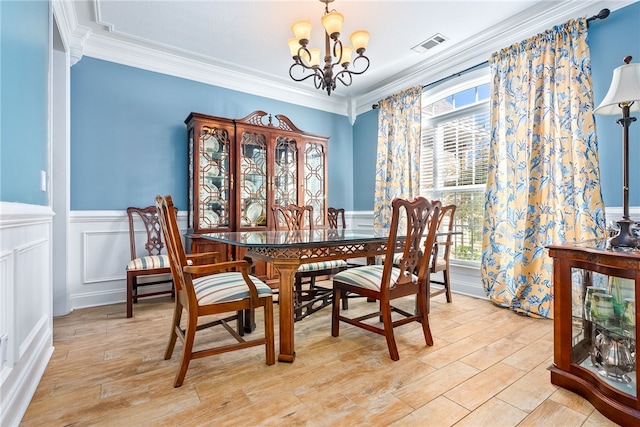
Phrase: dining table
x=287 y=250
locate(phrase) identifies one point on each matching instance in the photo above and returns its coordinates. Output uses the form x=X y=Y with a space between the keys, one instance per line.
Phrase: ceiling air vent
x=429 y=43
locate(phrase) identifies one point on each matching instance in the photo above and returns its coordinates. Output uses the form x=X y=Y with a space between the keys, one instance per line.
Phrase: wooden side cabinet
x=595 y=332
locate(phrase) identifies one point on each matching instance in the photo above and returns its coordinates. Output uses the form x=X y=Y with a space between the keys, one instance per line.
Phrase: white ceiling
x=243 y=44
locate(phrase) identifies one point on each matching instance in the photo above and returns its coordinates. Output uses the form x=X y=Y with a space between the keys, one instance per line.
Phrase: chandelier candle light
x=309 y=59
x=623 y=95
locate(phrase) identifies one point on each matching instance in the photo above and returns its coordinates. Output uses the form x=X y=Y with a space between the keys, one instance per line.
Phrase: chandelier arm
x=316 y=72
x=354 y=64
x=318 y=80
x=343 y=73
x=335 y=52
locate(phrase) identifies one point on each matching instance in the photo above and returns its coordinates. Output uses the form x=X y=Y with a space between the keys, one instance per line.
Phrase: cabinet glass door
x=213 y=178
x=253 y=179
x=604 y=329
x=313 y=180
x=285 y=177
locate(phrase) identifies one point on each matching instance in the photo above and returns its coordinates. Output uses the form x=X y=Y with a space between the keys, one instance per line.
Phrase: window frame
x=449 y=89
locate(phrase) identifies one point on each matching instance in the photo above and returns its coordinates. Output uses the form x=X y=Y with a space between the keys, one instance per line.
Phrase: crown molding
x=478 y=49
x=81 y=41
x=73 y=35
x=202 y=71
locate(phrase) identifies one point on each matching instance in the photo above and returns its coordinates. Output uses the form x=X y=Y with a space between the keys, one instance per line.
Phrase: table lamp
x=623 y=96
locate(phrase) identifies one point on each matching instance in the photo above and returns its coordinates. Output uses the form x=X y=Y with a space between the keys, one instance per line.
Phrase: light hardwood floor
x=488 y=367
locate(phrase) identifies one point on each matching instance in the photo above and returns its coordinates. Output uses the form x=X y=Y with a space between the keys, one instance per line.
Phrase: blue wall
x=365 y=144
x=609 y=41
x=24 y=71
x=128 y=137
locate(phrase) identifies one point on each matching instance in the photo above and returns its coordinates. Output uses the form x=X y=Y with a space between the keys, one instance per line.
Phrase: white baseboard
x=16 y=399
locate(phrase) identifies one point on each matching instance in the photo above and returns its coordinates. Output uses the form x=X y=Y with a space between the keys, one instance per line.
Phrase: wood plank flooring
x=488 y=367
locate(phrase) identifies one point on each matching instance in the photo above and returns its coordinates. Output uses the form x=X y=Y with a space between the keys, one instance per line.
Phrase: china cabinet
x=239 y=168
x=595 y=320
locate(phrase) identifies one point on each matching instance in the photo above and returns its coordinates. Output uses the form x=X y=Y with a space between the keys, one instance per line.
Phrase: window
x=454 y=157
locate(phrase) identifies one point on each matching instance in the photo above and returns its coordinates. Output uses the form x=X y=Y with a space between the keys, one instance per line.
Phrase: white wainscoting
x=99 y=247
x=26 y=326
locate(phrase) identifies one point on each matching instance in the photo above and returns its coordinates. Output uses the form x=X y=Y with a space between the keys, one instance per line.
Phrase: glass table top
x=250 y=239
x=316 y=237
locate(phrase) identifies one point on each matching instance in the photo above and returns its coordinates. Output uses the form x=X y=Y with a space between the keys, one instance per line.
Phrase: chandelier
x=305 y=59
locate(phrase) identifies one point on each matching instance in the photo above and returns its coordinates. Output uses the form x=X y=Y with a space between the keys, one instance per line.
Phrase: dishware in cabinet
x=210 y=185
x=595 y=320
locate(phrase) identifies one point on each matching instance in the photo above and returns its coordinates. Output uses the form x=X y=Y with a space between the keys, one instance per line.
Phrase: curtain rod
x=600 y=15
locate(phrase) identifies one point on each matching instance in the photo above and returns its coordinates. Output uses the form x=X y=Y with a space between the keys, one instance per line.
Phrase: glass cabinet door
x=604 y=327
x=314 y=179
x=253 y=179
x=213 y=178
x=285 y=185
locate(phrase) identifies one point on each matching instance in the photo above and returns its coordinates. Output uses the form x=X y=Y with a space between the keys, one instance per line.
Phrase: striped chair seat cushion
x=223 y=287
x=325 y=265
x=368 y=276
x=147 y=262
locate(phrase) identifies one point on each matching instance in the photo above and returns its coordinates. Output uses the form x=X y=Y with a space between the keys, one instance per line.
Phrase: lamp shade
x=294 y=46
x=332 y=23
x=347 y=51
x=314 y=60
x=301 y=29
x=359 y=40
x=625 y=88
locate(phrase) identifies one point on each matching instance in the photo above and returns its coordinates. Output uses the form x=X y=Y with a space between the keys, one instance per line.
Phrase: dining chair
x=387 y=282
x=150 y=266
x=439 y=261
x=442 y=251
x=210 y=290
x=307 y=301
x=335 y=218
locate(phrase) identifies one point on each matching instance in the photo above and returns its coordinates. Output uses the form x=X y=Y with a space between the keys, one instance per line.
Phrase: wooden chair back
x=421 y=226
x=335 y=218
x=292 y=217
x=175 y=249
x=442 y=246
x=149 y=217
x=442 y=252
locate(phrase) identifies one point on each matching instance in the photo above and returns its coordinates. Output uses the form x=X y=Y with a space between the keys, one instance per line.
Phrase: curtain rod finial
x=601 y=15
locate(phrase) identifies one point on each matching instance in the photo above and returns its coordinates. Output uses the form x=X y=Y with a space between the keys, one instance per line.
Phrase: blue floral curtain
x=398 y=158
x=543 y=185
